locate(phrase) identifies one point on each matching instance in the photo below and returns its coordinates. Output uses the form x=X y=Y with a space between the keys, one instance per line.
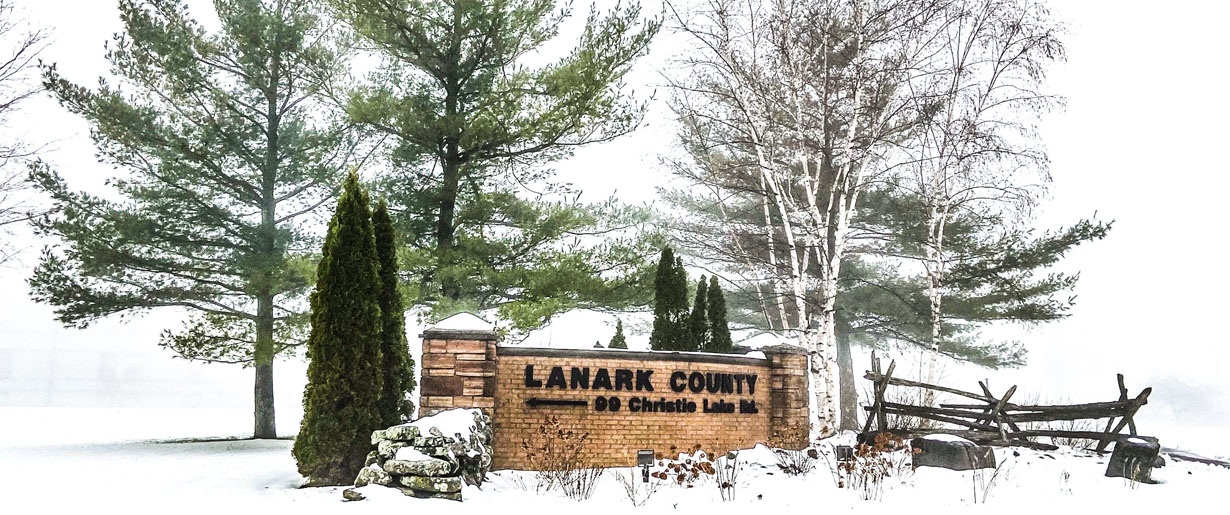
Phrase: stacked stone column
x=458 y=370
x=788 y=413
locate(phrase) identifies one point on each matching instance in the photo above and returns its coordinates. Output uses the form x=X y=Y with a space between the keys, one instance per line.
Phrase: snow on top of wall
x=450 y=423
x=464 y=322
x=766 y=339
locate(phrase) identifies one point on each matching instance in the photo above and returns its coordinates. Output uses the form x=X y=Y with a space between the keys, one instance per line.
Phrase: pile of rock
x=422 y=460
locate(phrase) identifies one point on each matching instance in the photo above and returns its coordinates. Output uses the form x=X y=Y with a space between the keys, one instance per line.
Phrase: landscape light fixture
x=644 y=459
x=845 y=453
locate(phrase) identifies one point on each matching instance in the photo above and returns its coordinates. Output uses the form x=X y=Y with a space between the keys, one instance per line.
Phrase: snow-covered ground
x=185 y=457
x=71 y=470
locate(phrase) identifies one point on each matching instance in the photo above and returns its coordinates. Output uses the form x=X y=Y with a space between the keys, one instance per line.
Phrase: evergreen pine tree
x=659 y=338
x=679 y=291
x=670 y=303
x=473 y=112
x=341 y=400
x=617 y=341
x=398 y=367
x=719 y=329
x=698 y=328
x=227 y=155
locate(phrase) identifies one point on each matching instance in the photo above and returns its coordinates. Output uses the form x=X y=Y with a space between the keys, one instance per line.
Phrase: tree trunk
x=827 y=395
x=450 y=162
x=848 y=395
x=263 y=391
x=935 y=293
x=445 y=231
x=265 y=425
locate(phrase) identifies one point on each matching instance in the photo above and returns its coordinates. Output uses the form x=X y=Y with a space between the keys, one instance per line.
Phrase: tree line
x=222 y=146
x=856 y=171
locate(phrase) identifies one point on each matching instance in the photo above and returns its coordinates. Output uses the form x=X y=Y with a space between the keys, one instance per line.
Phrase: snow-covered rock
x=432 y=456
x=402 y=433
x=427 y=467
x=373 y=475
x=388 y=448
x=436 y=485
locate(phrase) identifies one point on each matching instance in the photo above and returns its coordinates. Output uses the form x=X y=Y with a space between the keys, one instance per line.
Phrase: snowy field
x=92 y=460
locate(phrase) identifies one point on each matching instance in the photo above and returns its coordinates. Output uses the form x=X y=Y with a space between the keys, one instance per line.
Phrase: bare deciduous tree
x=807 y=91
x=790 y=109
x=22 y=45
x=974 y=151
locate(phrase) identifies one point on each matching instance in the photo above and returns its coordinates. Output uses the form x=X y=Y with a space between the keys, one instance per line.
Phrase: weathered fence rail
x=994 y=420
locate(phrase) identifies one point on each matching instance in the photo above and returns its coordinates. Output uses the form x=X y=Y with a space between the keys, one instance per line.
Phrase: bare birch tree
x=792 y=108
x=21 y=46
x=975 y=150
x=809 y=93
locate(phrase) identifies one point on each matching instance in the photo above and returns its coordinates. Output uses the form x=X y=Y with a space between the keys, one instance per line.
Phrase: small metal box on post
x=644 y=459
x=844 y=453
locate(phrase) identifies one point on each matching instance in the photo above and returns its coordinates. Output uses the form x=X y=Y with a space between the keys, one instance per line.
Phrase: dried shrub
x=638 y=491
x=726 y=475
x=686 y=469
x=556 y=453
x=833 y=465
x=580 y=484
x=1083 y=444
x=982 y=483
x=870 y=466
x=796 y=462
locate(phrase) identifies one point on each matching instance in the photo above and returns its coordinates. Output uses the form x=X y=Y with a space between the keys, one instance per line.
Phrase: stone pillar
x=458 y=370
x=789 y=426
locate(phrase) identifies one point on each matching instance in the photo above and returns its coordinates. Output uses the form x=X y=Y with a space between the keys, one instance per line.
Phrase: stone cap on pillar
x=783 y=348
x=462 y=326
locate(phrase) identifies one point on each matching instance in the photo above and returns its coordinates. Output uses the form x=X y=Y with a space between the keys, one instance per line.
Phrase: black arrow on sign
x=535 y=402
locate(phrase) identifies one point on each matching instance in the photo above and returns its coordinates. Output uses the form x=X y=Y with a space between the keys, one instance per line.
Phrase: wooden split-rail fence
x=994 y=420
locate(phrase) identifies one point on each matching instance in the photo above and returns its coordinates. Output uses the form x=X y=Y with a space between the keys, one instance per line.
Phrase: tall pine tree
x=670 y=304
x=341 y=403
x=698 y=327
x=224 y=156
x=618 y=341
x=398 y=367
x=719 y=328
x=470 y=123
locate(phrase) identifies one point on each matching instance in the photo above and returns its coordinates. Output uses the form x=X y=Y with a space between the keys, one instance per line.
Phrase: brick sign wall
x=624 y=400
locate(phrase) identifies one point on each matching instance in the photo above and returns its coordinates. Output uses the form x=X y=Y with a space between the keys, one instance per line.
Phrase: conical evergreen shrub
x=719 y=328
x=341 y=400
x=670 y=304
x=618 y=341
x=397 y=367
x=698 y=328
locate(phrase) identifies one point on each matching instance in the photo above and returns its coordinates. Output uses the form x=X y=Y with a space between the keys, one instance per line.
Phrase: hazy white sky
x=1138 y=142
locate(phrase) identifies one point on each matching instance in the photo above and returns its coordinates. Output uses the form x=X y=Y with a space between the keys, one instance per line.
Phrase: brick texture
x=614 y=437
x=457 y=373
x=472 y=373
